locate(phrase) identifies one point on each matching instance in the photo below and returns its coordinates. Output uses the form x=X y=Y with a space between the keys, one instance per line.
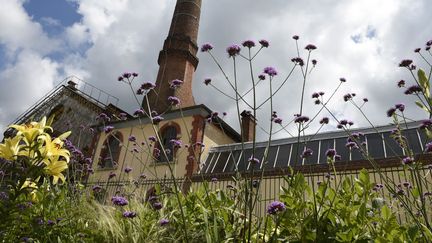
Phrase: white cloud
x=23 y=83
x=17 y=30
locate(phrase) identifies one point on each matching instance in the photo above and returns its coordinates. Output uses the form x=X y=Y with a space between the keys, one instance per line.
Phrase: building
x=74 y=105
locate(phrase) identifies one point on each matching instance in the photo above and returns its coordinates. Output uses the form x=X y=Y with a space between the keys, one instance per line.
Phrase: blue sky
x=65 y=12
x=44 y=41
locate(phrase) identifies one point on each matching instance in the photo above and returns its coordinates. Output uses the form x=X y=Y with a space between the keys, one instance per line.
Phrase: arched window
x=110 y=152
x=168 y=133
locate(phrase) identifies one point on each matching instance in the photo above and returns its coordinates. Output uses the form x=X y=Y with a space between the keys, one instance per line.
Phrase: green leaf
x=423 y=82
x=427 y=232
x=415 y=192
x=413 y=232
x=419 y=104
x=364 y=177
x=386 y=212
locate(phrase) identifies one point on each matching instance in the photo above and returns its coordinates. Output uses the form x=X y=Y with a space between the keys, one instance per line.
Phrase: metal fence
x=270 y=186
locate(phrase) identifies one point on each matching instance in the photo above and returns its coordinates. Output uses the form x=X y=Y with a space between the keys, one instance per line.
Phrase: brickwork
x=177 y=60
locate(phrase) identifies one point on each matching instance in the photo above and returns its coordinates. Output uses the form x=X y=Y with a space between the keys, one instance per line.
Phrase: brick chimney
x=177 y=59
x=248 y=126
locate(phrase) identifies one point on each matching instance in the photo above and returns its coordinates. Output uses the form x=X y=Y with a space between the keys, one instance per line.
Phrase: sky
x=44 y=41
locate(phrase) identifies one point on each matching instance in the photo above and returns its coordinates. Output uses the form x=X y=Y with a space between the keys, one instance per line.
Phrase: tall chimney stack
x=177 y=59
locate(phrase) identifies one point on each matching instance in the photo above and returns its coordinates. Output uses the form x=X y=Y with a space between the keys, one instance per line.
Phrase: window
x=110 y=153
x=168 y=133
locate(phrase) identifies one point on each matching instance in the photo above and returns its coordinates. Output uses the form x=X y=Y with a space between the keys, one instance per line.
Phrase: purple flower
x=400 y=107
x=175 y=83
x=343 y=122
x=277 y=120
x=297 y=61
x=103 y=117
x=233 y=50
x=324 y=120
x=206 y=47
x=255 y=183
x=429 y=43
x=147 y=86
x=119 y=201
x=427 y=48
x=132 y=138
x=314 y=62
x=275 y=207
x=343 y=80
x=224 y=113
x=401 y=83
x=135 y=74
x=301 y=119
x=391 y=112
x=127 y=75
x=138 y=112
x=248 y=43
x=120 y=78
x=330 y=153
x=413 y=89
x=157 y=119
x=296 y=37
x=50 y=222
x=351 y=145
x=347 y=97
x=264 y=43
x=175 y=143
x=96 y=188
x=405 y=63
x=123 y=116
x=307 y=153
x=157 y=205
x=140 y=91
x=127 y=169
x=111 y=175
x=365 y=100
x=129 y=214
x=163 y=222
x=207 y=81
x=156 y=152
x=254 y=160
x=407 y=160
x=428 y=147
x=417 y=50
x=406 y=184
x=214 y=179
x=261 y=77
x=174 y=101
x=152 y=139
x=310 y=47
x=108 y=129
x=315 y=95
x=4 y=196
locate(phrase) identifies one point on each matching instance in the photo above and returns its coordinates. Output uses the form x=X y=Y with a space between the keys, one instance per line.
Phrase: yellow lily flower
x=54 y=148
x=32 y=130
x=33 y=188
x=10 y=148
x=55 y=168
